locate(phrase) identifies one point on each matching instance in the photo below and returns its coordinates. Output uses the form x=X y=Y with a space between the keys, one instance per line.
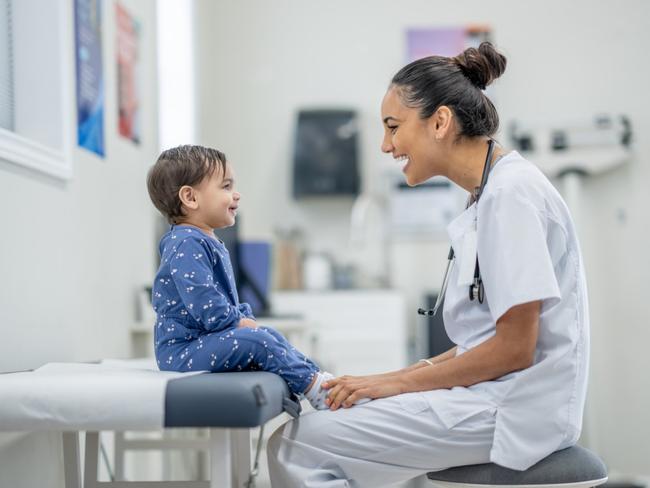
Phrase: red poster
x=128 y=74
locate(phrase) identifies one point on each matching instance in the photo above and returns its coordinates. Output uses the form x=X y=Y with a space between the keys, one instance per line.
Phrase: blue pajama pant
x=246 y=349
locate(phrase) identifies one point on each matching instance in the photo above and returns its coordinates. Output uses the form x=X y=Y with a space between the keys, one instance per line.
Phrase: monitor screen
x=230 y=238
x=250 y=265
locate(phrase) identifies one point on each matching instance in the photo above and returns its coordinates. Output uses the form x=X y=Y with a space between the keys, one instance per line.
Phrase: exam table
x=129 y=395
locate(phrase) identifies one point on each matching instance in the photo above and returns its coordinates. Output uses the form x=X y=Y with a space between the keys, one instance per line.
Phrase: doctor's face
x=408 y=138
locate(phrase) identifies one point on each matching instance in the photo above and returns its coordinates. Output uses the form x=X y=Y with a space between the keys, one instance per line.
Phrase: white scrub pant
x=379 y=443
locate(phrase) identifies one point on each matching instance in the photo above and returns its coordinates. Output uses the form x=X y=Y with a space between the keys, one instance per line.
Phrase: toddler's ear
x=187 y=196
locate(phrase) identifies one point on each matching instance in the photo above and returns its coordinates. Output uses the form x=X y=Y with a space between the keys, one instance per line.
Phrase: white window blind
x=7 y=115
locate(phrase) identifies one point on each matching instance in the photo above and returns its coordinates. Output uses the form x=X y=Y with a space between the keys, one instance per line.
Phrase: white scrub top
x=528 y=250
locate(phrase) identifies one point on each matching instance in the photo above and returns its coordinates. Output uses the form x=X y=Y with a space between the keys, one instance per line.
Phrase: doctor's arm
x=512 y=348
x=435 y=360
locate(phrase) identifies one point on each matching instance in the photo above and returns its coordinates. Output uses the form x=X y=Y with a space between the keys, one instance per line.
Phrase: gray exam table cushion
x=235 y=400
x=572 y=465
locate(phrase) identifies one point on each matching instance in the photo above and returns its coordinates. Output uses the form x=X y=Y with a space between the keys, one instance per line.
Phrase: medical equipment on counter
x=476 y=289
x=369 y=244
x=318 y=271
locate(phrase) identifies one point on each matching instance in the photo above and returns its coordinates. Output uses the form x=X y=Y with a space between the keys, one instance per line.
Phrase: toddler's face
x=218 y=200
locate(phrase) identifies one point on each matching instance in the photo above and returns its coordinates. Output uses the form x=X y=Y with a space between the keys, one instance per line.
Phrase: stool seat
x=571 y=467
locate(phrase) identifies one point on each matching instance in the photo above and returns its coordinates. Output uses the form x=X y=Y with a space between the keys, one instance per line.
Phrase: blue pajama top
x=194 y=292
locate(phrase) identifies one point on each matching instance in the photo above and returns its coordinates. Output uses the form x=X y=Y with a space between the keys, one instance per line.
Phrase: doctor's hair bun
x=481 y=66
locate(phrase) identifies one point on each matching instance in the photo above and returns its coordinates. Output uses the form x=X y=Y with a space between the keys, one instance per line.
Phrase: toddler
x=201 y=325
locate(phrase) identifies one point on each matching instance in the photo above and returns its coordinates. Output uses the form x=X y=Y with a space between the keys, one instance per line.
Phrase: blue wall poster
x=90 y=75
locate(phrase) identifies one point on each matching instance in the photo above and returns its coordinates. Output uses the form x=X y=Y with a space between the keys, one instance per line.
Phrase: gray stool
x=568 y=468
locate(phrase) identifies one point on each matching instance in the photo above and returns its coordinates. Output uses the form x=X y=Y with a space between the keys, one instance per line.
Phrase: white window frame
x=19 y=148
x=177 y=119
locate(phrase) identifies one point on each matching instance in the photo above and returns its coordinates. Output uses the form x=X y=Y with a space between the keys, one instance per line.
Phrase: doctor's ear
x=187 y=196
x=440 y=122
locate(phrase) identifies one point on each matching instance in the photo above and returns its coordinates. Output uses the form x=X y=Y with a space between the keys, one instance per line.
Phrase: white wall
x=259 y=61
x=73 y=254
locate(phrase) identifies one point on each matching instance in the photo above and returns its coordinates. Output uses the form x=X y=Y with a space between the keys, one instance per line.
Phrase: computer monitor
x=250 y=265
x=230 y=237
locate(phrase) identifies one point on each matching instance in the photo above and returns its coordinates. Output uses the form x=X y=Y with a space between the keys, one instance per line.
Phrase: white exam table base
x=122 y=444
x=230 y=462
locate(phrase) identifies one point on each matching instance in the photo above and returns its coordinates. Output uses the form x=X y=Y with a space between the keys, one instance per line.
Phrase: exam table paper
x=111 y=395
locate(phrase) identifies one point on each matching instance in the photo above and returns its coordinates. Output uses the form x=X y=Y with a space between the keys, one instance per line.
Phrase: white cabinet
x=357 y=331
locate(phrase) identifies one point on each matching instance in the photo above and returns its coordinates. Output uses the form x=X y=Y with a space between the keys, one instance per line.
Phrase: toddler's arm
x=204 y=299
x=246 y=311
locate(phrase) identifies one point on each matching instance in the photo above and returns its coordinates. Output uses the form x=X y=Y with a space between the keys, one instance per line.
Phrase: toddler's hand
x=246 y=322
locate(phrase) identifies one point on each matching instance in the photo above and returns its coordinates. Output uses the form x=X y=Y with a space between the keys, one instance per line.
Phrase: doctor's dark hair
x=457 y=82
x=177 y=167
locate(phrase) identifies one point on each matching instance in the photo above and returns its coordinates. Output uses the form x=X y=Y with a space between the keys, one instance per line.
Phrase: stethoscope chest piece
x=477 y=291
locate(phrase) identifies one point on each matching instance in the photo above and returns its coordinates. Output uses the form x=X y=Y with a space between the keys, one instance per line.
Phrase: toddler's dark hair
x=177 y=167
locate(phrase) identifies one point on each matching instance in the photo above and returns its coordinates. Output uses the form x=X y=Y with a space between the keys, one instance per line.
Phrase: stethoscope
x=476 y=289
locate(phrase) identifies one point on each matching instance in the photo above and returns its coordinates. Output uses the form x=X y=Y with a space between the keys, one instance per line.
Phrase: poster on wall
x=128 y=74
x=90 y=75
x=445 y=41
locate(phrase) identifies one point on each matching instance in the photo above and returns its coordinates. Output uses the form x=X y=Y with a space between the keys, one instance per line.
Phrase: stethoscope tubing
x=476 y=289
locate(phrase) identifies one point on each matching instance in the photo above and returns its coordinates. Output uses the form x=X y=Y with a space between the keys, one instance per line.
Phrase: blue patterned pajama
x=195 y=299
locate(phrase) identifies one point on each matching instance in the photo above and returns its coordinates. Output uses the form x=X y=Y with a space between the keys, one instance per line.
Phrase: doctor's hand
x=346 y=390
x=246 y=322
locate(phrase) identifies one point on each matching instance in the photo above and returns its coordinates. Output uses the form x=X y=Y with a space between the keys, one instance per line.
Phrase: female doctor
x=513 y=388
